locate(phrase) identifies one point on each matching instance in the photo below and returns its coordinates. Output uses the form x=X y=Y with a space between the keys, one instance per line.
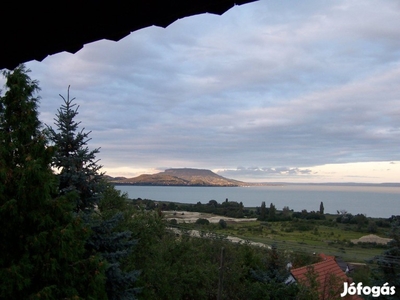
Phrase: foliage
x=285 y=211
x=173 y=222
x=272 y=212
x=148 y=228
x=389 y=262
x=77 y=165
x=185 y=267
x=262 y=212
x=231 y=209
x=222 y=223
x=202 y=221
x=114 y=246
x=312 y=215
x=273 y=275
x=42 y=253
x=308 y=290
x=80 y=173
x=112 y=201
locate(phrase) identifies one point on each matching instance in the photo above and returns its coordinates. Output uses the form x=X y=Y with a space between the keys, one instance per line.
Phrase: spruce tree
x=263 y=212
x=115 y=246
x=272 y=212
x=42 y=249
x=80 y=173
x=77 y=165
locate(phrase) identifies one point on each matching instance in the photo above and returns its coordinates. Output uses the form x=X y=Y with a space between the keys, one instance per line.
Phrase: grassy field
x=319 y=236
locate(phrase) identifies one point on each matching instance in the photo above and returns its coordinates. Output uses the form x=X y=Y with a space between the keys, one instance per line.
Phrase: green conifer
x=42 y=252
x=80 y=173
x=77 y=165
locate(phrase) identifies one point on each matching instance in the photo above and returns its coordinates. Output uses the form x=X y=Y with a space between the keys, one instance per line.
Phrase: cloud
x=264 y=173
x=298 y=84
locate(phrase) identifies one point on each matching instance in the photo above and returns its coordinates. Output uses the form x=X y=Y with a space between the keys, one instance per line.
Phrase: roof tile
x=330 y=277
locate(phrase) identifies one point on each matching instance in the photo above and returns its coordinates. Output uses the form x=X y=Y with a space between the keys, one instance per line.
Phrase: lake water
x=369 y=200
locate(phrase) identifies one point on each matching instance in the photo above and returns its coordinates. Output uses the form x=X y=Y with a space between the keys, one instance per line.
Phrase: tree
x=263 y=212
x=202 y=221
x=213 y=203
x=114 y=246
x=42 y=252
x=77 y=165
x=308 y=289
x=80 y=173
x=273 y=276
x=222 y=223
x=272 y=212
x=389 y=261
x=321 y=208
x=286 y=211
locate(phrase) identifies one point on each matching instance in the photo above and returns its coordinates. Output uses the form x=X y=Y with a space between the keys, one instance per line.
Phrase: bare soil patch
x=191 y=217
x=371 y=238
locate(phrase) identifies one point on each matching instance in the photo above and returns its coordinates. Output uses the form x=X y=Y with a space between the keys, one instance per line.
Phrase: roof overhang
x=33 y=30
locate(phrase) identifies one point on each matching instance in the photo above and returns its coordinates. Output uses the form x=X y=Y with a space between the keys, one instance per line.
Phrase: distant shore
x=252 y=184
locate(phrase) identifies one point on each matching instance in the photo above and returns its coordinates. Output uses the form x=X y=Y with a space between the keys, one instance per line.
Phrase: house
x=327 y=277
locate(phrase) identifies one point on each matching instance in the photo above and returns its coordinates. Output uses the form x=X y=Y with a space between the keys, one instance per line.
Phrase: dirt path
x=233 y=239
x=191 y=217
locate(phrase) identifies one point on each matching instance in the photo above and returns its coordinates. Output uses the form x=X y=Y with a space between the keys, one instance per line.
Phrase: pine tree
x=263 y=212
x=114 y=247
x=42 y=249
x=77 y=165
x=272 y=212
x=80 y=173
x=321 y=208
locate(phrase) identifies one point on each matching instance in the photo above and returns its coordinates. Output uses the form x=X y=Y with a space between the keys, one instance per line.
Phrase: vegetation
x=77 y=165
x=42 y=254
x=68 y=234
x=80 y=174
x=388 y=264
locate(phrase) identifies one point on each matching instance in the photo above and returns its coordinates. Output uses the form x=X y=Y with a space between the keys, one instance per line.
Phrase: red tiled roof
x=329 y=277
x=325 y=257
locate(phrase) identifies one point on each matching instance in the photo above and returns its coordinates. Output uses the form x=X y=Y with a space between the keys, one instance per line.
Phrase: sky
x=298 y=91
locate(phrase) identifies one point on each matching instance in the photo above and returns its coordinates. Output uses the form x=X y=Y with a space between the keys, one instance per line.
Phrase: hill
x=180 y=177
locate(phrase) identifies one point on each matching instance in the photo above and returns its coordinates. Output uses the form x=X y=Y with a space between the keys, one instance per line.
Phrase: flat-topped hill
x=180 y=177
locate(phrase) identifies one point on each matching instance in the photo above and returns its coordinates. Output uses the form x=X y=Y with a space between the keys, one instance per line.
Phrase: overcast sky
x=304 y=91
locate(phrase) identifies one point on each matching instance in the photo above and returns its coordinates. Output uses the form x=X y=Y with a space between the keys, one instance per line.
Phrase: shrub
x=222 y=223
x=202 y=221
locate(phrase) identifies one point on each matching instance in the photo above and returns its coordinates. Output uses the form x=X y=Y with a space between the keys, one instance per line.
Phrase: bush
x=304 y=227
x=222 y=223
x=202 y=221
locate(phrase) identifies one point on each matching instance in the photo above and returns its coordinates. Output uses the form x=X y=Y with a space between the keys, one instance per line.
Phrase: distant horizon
x=344 y=183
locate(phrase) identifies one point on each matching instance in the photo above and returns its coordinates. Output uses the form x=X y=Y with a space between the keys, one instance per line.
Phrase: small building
x=328 y=277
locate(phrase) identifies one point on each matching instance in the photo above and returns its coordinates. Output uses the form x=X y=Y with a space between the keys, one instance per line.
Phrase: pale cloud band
x=289 y=86
x=365 y=172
